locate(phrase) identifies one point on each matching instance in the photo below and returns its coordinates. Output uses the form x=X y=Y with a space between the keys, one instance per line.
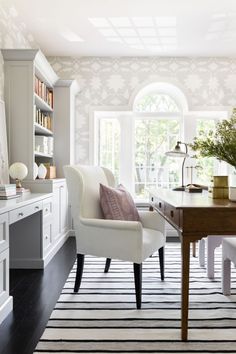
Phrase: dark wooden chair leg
x=138 y=284
x=107 y=266
x=161 y=261
x=79 y=271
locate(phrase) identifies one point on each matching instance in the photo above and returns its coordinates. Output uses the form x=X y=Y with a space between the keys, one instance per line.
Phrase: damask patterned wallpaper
x=207 y=83
x=12 y=35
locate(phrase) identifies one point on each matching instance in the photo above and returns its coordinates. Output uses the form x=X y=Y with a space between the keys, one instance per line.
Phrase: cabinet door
x=4 y=276
x=63 y=209
x=56 y=211
x=4 y=232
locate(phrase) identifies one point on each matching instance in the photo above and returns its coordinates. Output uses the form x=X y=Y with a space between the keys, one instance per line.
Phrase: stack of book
x=8 y=191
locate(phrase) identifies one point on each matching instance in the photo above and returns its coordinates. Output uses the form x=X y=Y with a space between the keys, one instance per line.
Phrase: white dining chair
x=132 y=241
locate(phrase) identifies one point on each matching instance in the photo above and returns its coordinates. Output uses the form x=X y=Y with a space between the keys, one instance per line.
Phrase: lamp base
x=179 y=189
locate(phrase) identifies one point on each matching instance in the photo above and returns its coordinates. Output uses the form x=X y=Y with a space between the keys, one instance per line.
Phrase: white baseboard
x=40 y=263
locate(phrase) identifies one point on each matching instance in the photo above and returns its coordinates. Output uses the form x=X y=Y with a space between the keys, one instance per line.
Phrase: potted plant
x=221 y=144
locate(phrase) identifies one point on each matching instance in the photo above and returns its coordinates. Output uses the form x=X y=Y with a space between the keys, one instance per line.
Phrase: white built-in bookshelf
x=40 y=109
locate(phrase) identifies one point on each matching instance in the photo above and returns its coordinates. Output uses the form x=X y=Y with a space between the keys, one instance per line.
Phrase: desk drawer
x=47 y=209
x=21 y=213
x=4 y=232
x=172 y=214
x=158 y=204
x=47 y=238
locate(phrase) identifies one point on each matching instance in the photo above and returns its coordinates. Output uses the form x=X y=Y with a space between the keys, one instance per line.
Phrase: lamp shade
x=18 y=170
x=177 y=152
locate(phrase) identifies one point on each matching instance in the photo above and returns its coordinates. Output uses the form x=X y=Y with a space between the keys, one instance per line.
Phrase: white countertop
x=25 y=199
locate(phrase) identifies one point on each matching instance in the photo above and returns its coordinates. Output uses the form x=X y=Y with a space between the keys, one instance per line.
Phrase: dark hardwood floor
x=35 y=293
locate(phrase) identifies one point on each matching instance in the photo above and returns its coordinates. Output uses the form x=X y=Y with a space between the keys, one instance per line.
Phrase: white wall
x=13 y=34
x=208 y=83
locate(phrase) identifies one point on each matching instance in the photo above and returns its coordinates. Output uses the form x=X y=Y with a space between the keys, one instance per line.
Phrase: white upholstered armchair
x=131 y=241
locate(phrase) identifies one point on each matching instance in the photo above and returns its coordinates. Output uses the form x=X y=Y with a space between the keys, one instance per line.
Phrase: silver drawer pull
x=61 y=186
x=46 y=210
x=36 y=208
x=21 y=214
x=46 y=237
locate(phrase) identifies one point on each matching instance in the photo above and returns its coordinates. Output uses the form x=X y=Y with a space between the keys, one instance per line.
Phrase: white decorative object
x=232 y=180
x=42 y=171
x=36 y=170
x=232 y=194
x=4 y=176
x=18 y=171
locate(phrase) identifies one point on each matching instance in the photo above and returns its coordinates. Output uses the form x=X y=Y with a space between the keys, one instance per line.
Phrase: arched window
x=132 y=143
x=156 y=102
x=158 y=117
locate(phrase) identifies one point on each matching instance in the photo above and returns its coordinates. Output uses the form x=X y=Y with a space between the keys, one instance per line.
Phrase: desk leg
x=194 y=249
x=185 y=248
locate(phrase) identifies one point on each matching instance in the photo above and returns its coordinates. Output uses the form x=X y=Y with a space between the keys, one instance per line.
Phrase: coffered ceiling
x=130 y=27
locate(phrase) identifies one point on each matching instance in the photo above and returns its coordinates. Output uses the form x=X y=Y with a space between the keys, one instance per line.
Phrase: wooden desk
x=194 y=216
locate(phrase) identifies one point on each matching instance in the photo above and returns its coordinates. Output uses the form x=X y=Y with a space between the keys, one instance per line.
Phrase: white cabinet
x=58 y=209
x=4 y=276
x=5 y=299
x=4 y=232
x=47 y=236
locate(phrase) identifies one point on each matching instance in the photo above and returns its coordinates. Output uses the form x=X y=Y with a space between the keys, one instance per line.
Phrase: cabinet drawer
x=172 y=214
x=4 y=232
x=47 y=238
x=47 y=208
x=25 y=211
x=158 y=203
x=4 y=276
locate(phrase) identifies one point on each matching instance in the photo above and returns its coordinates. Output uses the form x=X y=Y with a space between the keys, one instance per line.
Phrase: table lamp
x=18 y=171
x=177 y=152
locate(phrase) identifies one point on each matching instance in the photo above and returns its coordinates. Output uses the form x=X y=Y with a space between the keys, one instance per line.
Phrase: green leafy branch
x=220 y=143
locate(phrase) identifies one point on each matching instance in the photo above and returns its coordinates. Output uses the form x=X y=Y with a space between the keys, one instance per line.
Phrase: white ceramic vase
x=36 y=170
x=42 y=171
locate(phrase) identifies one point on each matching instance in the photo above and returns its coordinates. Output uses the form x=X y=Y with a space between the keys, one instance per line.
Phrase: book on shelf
x=7 y=189
x=43 y=119
x=43 y=91
x=22 y=190
x=7 y=193
x=9 y=197
x=7 y=186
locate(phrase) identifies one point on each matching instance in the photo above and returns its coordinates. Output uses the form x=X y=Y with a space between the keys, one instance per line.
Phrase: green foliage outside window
x=220 y=143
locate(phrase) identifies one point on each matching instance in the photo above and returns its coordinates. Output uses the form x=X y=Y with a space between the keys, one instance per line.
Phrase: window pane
x=205 y=166
x=156 y=102
x=153 y=137
x=109 y=145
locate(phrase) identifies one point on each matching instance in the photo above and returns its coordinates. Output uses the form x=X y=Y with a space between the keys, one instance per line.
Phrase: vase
x=36 y=170
x=42 y=171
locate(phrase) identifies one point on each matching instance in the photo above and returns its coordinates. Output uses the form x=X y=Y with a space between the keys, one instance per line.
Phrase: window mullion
x=126 y=152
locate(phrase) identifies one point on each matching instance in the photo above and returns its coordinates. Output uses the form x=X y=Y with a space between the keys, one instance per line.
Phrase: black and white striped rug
x=102 y=317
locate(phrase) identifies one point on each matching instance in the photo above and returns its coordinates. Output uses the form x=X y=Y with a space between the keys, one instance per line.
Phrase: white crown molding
x=73 y=84
x=42 y=67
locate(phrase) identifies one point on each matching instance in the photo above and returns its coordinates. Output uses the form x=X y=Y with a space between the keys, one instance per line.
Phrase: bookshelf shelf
x=40 y=130
x=40 y=103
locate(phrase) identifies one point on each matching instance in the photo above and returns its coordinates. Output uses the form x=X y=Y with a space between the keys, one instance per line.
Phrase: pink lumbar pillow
x=117 y=203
